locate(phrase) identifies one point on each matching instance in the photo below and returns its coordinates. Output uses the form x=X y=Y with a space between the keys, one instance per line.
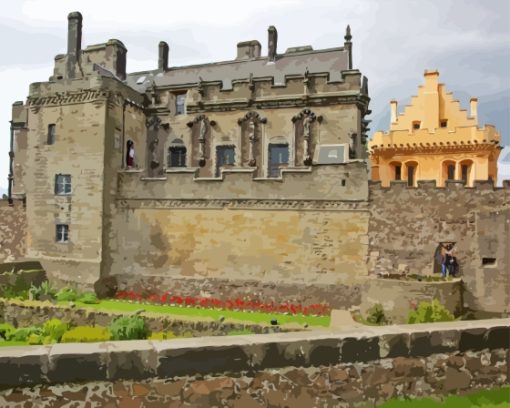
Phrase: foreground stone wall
x=12 y=230
x=398 y=297
x=291 y=369
x=407 y=225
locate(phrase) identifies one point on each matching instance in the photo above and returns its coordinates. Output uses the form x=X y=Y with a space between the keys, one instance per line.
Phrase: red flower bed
x=317 y=309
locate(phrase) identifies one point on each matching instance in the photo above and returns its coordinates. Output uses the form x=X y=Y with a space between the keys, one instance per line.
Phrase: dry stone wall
x=292 y=369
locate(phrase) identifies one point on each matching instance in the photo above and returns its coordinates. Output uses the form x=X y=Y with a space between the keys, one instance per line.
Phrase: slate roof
x=332 y=61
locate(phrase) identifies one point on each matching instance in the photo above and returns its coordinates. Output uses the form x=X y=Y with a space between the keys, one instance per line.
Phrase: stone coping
x=107 y=361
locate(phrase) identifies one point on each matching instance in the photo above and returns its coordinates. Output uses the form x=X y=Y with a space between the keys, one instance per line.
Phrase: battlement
x=452 y=185
x=343 y=182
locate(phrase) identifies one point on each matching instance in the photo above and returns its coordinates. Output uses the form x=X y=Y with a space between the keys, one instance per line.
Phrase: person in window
x=130 y=155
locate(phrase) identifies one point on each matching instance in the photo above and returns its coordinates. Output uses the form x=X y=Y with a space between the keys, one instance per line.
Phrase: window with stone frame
x=62 y=233
x=62 y=184
x=180 y=104
x=177 y=156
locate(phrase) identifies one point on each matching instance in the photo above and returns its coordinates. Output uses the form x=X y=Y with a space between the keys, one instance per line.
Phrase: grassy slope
x=197 y=313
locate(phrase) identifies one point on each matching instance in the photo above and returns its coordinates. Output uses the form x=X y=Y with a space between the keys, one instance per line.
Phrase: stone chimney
x=73 y=42
x=394 y=115
x=248 y=49
x=473 y=108
x=272 y=41
x=163 y=56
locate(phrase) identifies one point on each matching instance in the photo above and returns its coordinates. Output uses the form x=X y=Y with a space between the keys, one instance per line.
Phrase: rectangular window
x=444 y=123
x=62 y=233
x=180 y=104
x=278 y=155
x=488 y=261
x=398 y=172
x=62 y=184
x=225 y=156
x=51 y=133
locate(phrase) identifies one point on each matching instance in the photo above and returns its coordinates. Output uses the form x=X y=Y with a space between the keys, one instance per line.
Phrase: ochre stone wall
x=12 y=231
x=407 y=225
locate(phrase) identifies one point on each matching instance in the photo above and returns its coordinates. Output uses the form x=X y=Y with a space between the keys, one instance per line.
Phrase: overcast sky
x=394 y=41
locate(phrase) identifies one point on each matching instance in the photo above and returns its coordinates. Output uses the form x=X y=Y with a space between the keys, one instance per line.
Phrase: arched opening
x=466 y=172
x=448 y=171
x=440 y=256
x=396 y=171
x=411 y=170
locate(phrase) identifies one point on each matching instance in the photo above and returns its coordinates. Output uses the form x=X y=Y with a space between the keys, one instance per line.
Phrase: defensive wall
x=12 y=230
x=287 y=369
x=407 y=225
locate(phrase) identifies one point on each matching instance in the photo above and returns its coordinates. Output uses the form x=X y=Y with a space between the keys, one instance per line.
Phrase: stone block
x=361 y=349
x=427 y=343
x=472 y=339
x=78 y=362
x=498 y=337
x=456 y=380
x=22 y=366
x=131 y=359
x=394 y=345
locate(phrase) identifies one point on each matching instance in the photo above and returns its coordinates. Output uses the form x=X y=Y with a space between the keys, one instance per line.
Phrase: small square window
x=62 y=184
x=180 y=104
x=416 y=125
x=444 y=123
x=51 y=134
x=62 y=233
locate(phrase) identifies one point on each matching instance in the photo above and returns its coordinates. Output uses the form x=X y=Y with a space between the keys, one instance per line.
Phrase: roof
x=331 y=61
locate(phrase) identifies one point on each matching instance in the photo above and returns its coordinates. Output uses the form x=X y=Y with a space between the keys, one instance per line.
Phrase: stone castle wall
x=12 y=230
x=407 y=225
x=295 y=369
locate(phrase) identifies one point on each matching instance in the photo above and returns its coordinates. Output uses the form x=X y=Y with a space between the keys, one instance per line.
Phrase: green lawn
x=496 y=398
x=197 y=313
x=10 y=343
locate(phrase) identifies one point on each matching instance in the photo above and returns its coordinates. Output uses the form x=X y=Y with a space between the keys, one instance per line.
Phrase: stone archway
x=436 y=262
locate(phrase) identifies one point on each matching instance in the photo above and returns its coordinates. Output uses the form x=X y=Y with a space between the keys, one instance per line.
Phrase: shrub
x=88 y=298
x=22 y=334
x=45 y=290
x=162 y=335
x=67 y=294
x=427 y=312
x=54 y=329
x=375 y=315
x=35 y=339
x=86 y=334
x=129 y=328
x=6 y=331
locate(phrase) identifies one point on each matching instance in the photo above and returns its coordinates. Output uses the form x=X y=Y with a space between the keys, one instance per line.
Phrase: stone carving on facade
x=204 y=125
x=305 y=119
x=251 y=122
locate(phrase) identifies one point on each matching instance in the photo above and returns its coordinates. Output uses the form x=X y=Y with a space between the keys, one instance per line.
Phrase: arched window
x=411 y=173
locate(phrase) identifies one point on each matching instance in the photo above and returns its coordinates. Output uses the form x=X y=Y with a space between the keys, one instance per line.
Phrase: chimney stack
x=163 y=56
x=272 y=42
x=73 y=42
x=473 y=105
x=393 y=105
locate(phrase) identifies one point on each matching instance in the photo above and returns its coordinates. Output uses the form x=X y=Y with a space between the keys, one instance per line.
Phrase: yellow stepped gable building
x=434 y=139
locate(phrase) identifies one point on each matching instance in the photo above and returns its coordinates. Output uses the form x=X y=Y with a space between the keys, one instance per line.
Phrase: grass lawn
x=495 y=398
x=198 y=313
x=10 y=343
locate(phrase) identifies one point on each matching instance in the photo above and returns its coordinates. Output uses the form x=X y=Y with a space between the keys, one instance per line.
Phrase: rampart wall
x=407 y=225
x=12 y=230
x=294 y=369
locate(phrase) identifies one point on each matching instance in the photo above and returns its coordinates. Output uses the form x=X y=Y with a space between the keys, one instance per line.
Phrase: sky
x=394 y=41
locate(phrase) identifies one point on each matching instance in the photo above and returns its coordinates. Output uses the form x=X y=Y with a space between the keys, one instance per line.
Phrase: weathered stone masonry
x=291 y=369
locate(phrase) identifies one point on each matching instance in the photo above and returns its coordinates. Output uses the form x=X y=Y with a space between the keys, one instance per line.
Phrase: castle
x=243 y=177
